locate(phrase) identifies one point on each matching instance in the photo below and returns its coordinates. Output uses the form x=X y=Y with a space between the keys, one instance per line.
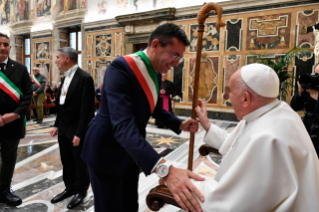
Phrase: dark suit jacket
x=116 y=135
x=78 y=110
x=18 y=74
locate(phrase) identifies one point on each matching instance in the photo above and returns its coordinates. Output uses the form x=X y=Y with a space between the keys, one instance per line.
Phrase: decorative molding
x=137 y=38
x=148 y=17
x=21 y=27
x=101 y=25
x=44 y=33
x=71 y=18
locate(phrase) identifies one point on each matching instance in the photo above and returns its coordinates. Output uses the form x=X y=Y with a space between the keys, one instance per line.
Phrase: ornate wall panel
x=303 y=65
x=233 y=34
x=19 y=54
x=42 y=50
x=89 y=46
x=210 y=38
x=100 y=68
x=89 y=67
x=269 y=32
x=231 y=65
x=118 y=44
x=43 y=57
x=103 y=45
x=45 y=70
x=208 y=86
x=305 y=19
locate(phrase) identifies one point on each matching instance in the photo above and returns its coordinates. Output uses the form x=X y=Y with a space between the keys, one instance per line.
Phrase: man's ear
x=246 y=99
x=155 y=43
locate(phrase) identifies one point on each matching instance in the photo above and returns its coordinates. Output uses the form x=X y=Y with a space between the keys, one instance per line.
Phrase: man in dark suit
x=115 y=146
x=15 y=99
x=75 y=109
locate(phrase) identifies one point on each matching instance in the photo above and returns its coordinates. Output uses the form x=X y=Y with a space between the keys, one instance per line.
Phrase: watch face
x=162 y=170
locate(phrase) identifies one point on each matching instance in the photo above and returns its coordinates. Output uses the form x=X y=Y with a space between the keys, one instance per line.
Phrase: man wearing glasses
x=115 y=147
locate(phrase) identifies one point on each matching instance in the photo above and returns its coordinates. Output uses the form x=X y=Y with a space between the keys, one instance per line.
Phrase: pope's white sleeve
x=215 y=136
x=260 y=180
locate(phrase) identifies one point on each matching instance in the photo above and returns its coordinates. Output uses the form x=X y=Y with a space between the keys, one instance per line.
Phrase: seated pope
x=269 y=162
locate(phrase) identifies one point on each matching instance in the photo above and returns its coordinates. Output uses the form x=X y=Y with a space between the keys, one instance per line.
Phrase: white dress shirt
x=5 y=62
x=67 y=81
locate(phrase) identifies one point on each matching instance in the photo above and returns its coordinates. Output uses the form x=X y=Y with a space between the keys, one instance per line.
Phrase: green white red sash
x=11 y=89
x=145 y=74
x=36 y=81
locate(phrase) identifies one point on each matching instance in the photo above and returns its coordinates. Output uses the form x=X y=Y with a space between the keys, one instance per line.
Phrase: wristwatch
x=162 y=169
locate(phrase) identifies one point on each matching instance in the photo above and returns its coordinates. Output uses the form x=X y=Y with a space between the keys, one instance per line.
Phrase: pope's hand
x=181 y=187
x=190 y=125
x=202 y=115
x=54 y=132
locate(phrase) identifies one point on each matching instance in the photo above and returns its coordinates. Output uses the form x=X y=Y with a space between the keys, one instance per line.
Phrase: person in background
x=166 y=90
x=98 y=93
x=307 y=99
x=38 y=85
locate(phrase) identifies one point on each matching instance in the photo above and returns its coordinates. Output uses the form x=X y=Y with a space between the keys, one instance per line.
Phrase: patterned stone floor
x=38 y=172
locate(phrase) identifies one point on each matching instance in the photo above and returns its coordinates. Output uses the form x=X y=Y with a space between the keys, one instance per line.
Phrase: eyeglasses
x=175 y=57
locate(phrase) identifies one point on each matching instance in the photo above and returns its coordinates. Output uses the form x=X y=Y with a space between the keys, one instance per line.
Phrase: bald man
x=38 y=85
x=269 y=162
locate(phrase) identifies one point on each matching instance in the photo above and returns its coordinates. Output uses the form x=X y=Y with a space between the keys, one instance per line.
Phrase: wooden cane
x=160 y=195
x=201 y=17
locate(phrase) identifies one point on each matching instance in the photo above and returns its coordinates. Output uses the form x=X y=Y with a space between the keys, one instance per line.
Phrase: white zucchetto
x=261 y=79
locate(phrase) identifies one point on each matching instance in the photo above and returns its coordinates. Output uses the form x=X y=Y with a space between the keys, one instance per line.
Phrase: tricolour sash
x=145 y=74
x=11 y=89
x=36 y=81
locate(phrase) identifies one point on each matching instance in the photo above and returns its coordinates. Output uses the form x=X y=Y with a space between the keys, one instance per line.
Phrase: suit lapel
x=74 y=82
x=10 y=67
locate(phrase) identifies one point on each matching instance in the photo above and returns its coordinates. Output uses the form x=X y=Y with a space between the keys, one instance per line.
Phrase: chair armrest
x=206 y=149
x=159 y=196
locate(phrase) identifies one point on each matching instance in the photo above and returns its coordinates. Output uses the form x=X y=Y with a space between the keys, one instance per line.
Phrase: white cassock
x=269 y=164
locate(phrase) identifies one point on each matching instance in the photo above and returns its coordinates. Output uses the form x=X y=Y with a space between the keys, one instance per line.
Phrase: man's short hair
x=70 y=52
x=164 y=33
x=4 y=35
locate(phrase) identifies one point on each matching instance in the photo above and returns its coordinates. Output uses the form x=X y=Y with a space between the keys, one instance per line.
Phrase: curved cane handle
x=203 y=14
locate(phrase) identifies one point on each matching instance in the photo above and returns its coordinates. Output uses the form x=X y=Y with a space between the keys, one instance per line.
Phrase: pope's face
x=164 y=59
x=4 y=48
x=235 y=95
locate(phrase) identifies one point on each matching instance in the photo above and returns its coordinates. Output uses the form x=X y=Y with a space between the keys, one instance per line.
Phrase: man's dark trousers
x=75 y=173
x=125 y=186
x=8 y=156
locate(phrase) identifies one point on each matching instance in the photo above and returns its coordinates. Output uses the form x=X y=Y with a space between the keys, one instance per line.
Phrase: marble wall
x=266 y=31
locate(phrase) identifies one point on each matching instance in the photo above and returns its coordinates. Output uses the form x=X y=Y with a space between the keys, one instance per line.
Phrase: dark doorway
x=139 y=46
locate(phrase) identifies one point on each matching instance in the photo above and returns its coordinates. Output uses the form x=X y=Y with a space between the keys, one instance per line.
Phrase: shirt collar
x=71 y=70
x=261 y=111
x=5 y=61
